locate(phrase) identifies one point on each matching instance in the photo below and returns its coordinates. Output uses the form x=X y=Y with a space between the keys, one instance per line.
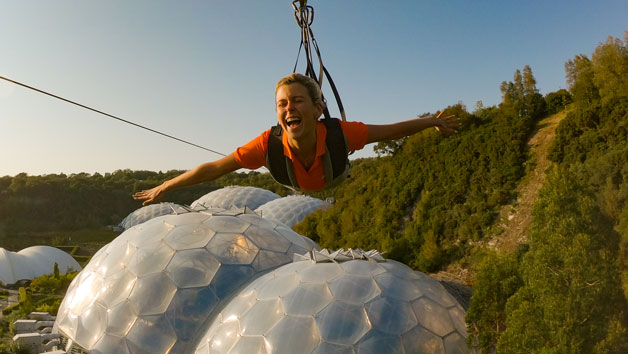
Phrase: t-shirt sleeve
x=357 y=134
x=252 y=155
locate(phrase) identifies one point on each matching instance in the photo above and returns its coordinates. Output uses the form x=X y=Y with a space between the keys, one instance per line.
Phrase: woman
x=299 y=104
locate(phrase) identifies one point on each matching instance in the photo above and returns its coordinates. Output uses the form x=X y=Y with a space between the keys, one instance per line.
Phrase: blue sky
x=205 y=71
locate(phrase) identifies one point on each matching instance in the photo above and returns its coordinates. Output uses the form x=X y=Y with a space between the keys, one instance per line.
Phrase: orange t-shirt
x=253 y=154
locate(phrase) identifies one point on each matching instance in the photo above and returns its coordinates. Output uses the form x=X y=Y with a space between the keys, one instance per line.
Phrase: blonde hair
x=313 y=90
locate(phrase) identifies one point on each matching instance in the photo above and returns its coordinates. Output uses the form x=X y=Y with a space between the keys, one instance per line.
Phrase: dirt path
x=514 y=219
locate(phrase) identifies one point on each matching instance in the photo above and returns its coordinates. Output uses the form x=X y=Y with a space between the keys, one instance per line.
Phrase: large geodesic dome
x=292 y=209
x=236 y=196
x=155 y=288
x=148 y=212
x=352 y=306
x=33 y=262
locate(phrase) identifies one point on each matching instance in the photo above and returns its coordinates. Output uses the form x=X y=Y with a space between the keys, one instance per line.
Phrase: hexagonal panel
x=433 y=316
x=321 y=273
x=398 y=288
x=376 y=342
x=364 y=268
x=231 y=248
x=91 y=325
x=192 y=268
x=120 y=318
x=224 y=338
x=148 y=260
x=261 y=317
x=293 y=335
x=226 y=224
x=455 y=343
x=420 y=340
x=342 y=323
x=277 y=286
x=151 y=334
x=189 y=309
x=269 y=259
x=267 y=239
x=117 y=287
x=152 y=294
x=189 y=236
x=307 y=299
x=390 y=315
x=354 y=289
x=111 y=344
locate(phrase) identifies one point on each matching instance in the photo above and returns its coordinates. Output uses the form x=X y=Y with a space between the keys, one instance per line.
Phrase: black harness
x=336 y=158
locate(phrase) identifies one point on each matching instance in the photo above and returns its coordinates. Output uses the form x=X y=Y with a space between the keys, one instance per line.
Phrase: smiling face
x=296 y=112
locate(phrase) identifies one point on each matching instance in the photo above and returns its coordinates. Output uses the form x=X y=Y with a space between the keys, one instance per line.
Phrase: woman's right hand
x=150 y=196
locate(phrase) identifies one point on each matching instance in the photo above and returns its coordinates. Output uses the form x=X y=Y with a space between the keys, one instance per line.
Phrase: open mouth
x=293 y=122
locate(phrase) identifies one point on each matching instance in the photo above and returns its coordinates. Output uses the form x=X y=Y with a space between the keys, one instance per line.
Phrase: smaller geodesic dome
x=148 y=212
x=33 y=262
x=236 y=196
x=155 y=287
x=292 y=209
x=338 y=303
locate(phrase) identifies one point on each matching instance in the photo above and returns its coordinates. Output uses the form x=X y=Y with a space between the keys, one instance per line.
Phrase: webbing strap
x=304 y=16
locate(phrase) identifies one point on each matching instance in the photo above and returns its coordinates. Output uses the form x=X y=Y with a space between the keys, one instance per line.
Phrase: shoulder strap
x=337 y=147
x=275 y=159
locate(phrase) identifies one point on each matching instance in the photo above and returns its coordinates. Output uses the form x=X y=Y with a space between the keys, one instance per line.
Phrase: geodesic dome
x=33 y=262
x=148 y=212
x=292 y=209
x=236 y=196
x=353 y=306
x=154 y=287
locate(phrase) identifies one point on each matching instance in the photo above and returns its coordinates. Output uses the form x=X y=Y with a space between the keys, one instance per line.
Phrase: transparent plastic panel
x=117 y=288
x=267 y=239
x=255 y=219
x=321 y=272
x=277 y=286
x=152 y=294
x=433 y=316
x=151 y=334
x=86 y=292
x=390 y=315
x=229 y=278
x=189 y=309
x=398 y=288
x=120 y=319
x=91 y=325
x=268 y=259
x=110 y=344
x=192 y=268
x=307 y=299
x=189 y=236
x=354 y=289
x=261 y=317
x=330 y=348
x=456 y=344
x=376 y=342
x=224 y=338
x=420 y=340
x=457 y=316
x=342 y=323
x=435 y=291
x=118 y=255
x=249 y=345
x=150 y=258
x=400 y=270
x=68 y=325
x=293 y=335
x=239 y=304
x=231 y=248
x=226 y=224
x=361 y=267
x=192 y=218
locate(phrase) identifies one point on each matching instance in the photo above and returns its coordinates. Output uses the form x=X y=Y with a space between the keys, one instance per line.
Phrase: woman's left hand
x=447 y=125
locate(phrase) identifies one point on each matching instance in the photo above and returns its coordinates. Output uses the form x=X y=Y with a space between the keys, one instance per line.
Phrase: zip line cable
x=110 y=115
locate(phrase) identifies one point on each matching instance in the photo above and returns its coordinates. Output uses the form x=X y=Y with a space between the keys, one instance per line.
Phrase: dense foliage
x=570 y=297
x=432 y=195
x=83 y=201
